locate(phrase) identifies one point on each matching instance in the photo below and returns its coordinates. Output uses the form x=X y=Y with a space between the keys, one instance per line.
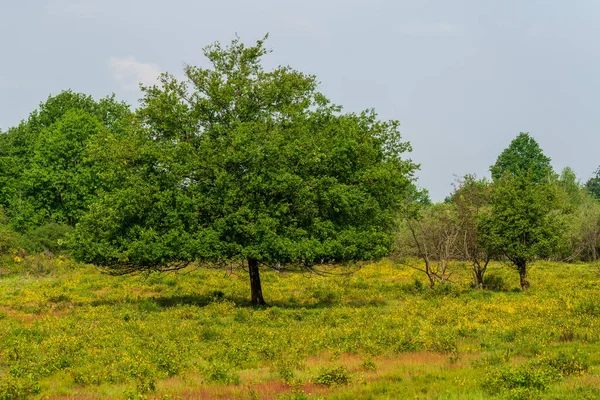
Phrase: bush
x=50 y=237
x=568 y=364
x=17 y=388
x=8 y=239
x=494 y=282
x=523 y=378
x=286 y=369
x=535 y=376
x=334 y=376
x=369 y=365
x=589 y=307
x=325 y=294
x=221 y=373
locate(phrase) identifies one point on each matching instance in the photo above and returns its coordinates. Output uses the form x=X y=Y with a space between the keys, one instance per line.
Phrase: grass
x=68 y=331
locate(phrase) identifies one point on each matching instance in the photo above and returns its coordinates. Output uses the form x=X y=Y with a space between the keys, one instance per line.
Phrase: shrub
x=49 y=237
x=568 y=364
x=221 y=373
x=326 y=295
x=285 y=367
x=495 y=282
x=12 y=388
x=444 y=288
x=589 y=307
x=527 y=377
x=369 y=365
x=334 y=376
x=536 y=375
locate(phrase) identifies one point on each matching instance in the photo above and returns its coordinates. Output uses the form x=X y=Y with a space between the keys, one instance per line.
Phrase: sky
x=462 y=77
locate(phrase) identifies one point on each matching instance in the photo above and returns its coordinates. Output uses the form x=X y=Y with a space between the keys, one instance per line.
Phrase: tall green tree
x=237 y=163
x=523 y=155
x=523 y=222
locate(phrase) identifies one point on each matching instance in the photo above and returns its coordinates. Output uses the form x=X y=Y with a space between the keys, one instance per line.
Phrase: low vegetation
x=68 y=330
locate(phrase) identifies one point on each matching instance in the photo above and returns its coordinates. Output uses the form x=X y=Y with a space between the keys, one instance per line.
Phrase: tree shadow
x=203 y=300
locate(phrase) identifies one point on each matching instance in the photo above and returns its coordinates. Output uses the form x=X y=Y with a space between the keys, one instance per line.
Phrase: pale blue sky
x=463 y=77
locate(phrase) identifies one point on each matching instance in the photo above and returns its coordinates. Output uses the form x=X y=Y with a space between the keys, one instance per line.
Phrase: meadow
x=69 y=331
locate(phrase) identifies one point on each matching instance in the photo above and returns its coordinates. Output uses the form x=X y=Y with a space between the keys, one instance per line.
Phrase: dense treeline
x=234 y=163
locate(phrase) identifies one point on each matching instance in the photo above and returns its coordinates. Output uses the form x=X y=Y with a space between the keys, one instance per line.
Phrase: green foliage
x=525 y=220
x=567 y=181
x=221 y=373
x=524 y=381
x=14 y=388
x=333 y=376
x=240 y=163
x=593 y=185
x=369 y=365
x=44 y=176
x=522 y=223
x=581 y=233
x=7 y=236
x=494 y=282
x=523 y=156
x=528 y=380
x=50 y=237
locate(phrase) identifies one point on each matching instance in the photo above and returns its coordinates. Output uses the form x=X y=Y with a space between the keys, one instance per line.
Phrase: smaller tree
x=471 y=199
x=431 y=234
x=523 y=221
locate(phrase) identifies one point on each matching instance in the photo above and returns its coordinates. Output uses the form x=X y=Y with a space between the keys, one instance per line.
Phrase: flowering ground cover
x=69 y=331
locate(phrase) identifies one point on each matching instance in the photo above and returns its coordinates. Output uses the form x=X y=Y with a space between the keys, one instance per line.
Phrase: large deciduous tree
x=239 y=163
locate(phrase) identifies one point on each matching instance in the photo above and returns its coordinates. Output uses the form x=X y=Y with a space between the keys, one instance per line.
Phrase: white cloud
x=129 y=72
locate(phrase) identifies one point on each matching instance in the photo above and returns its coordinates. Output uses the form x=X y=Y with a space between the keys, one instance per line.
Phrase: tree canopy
x=237 y=163
x=43 y=172
x=521 y=156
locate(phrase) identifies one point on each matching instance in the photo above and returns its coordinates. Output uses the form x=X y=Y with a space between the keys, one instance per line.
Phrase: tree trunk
x=522 y=268
x=478 y=275
x=255 y=286
x=428 y=272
